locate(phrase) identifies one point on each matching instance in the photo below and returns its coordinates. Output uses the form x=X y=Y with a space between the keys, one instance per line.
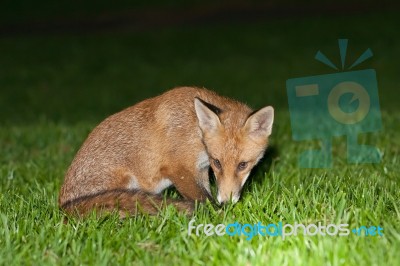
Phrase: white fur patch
x=163 y=184
x=245 y=178
x=235 y=198
x=202 y=161
x=259 y=157
x=133 y=184
x=219 y=198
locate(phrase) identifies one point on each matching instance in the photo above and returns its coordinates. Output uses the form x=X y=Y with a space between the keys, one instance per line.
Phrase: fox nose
x=221 y=200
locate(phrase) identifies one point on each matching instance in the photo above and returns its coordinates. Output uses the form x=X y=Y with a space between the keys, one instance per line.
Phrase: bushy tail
x=125 y=202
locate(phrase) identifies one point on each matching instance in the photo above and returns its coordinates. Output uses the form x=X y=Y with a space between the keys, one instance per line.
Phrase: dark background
x=70 y=61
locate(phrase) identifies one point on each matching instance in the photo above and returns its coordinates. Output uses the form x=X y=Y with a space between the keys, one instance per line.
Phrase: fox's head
x=235 y=141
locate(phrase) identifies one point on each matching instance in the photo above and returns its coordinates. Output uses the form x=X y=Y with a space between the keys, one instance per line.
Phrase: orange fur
x=171 y=139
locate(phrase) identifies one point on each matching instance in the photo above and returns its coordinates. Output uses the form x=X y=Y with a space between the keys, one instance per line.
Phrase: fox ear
x=208 y=119
x=259 y=124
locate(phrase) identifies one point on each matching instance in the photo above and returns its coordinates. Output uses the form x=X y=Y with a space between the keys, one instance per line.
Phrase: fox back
x=172 y=139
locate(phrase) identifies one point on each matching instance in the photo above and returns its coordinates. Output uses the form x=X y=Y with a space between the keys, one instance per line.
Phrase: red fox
x=169 y=140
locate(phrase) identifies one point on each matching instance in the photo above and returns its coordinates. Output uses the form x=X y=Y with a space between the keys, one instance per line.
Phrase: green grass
x=55 y=89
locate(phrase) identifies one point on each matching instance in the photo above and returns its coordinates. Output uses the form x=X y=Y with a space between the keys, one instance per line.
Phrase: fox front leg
x=191 y=187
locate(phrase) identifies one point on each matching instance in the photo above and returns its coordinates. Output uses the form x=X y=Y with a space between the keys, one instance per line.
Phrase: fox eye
x=217 y=164
x=242 y=166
